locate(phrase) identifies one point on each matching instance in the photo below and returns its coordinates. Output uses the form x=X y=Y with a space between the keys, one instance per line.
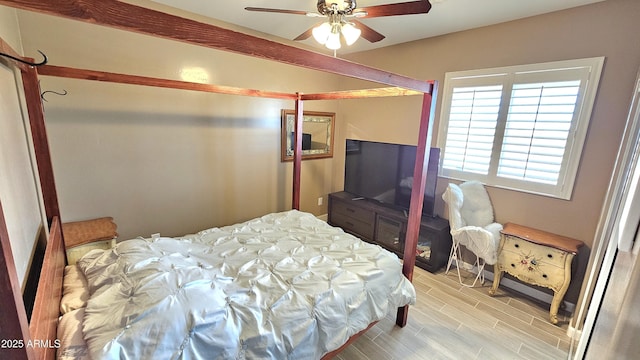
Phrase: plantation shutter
x=520 y=127
x=536 y=132
x=472 y=125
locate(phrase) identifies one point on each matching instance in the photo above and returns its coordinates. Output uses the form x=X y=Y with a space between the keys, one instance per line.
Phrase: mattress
x=283 y=286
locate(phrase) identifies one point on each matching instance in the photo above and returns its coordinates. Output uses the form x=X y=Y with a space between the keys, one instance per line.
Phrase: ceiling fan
x=341 y=21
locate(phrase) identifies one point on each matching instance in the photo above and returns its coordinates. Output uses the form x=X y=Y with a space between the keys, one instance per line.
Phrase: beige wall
x=9 y=28
x=162 y=160
x=19 y=197
x=609 y=29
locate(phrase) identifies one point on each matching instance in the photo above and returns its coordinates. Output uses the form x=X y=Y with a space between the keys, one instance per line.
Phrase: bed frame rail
x=46 y=310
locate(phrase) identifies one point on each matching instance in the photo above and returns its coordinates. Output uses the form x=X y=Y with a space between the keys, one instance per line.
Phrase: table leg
x=555 y=303
x=553 y=311
x=497 y=275
x=559 y=295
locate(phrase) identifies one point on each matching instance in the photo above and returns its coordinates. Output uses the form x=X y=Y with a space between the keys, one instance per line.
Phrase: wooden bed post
x=297 y=153
x=417 y=197
x=14 y=317
x=40 y=142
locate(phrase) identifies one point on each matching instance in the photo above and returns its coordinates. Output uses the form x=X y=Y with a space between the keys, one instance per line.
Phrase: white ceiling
x=446 y=16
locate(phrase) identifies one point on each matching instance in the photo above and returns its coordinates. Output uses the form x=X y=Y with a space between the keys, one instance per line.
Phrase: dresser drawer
x=355 y=226
x=342 y=208
x=544 y=254
x=533 y=263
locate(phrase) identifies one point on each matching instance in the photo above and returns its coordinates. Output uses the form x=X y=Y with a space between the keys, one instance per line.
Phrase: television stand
x=387 y=227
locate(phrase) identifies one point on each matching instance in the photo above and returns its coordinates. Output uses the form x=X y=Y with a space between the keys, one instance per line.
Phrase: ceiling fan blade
x=282 y=11
x=305 y=35
x=367 y=32
x=405 y=8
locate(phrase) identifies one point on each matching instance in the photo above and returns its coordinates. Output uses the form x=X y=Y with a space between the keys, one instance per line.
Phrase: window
x=519 y=127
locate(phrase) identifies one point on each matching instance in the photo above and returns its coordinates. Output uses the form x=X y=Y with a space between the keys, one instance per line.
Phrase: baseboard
x=520 y=287
x=574 y=333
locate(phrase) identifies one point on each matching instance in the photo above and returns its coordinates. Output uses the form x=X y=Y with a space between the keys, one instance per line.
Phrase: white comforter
x=284 y=286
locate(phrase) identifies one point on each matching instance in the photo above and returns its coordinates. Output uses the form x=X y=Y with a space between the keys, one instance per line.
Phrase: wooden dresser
x=538 y=258
x=381 y=225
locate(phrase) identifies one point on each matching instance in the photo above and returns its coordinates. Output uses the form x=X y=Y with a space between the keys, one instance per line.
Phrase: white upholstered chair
x=471 y=220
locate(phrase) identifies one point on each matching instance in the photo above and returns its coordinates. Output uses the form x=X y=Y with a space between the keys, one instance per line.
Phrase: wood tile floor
x=450 y=321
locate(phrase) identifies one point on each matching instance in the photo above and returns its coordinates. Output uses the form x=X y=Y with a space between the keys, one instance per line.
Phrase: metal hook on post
x=44 y=61
x=51 y=91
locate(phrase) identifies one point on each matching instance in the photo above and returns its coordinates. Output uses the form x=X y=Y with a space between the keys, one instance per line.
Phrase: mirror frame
x=288 y=121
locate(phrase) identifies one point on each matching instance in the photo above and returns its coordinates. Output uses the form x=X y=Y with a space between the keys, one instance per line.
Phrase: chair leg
x=481 y=270
x=453 y=255
x=456 y=254
x=480 y=275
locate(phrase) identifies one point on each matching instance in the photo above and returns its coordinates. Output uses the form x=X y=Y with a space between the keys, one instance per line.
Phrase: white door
x=611 y=323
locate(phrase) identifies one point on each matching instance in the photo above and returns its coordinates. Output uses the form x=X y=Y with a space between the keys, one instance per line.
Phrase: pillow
x=75 y=290
x=72 y=344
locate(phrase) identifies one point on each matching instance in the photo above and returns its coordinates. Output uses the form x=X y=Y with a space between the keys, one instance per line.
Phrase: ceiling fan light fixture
x=333 y=42
x=338 y=14
x=321 y=32
x=350 y=33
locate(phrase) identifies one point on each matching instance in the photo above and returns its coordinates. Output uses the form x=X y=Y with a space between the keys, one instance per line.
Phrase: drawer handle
x=550 y=256
x=544 y=276
x=517 y=245
x=513 y=265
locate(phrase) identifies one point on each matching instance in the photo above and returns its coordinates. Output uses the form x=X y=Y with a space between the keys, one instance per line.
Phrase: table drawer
x=342 y=208
x=541 y=253
x=355 y=226
x=533 y=263
x=532 y=270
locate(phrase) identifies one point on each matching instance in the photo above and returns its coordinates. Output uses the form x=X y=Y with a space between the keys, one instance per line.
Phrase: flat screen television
x=383 y=172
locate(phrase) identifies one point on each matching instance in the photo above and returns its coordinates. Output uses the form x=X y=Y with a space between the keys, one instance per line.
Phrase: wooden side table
x=81 y=237
x=538 y=258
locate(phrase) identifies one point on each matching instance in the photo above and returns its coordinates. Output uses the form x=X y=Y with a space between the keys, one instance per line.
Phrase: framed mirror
x=317 y=134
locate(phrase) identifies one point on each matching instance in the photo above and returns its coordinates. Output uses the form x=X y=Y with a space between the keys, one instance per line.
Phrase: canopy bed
x=111 y=13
